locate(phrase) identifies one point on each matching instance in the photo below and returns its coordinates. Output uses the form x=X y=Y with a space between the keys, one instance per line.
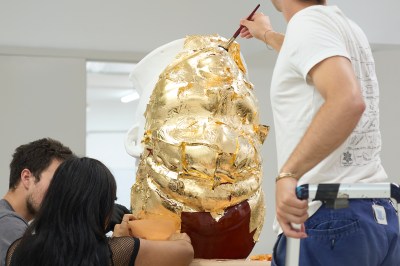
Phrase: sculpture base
x=227 y=238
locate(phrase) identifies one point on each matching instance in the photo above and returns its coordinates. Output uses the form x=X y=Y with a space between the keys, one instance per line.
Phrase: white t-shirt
x=314 y=34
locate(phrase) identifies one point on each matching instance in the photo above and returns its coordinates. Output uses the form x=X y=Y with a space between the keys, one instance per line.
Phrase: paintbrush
x=230 y=41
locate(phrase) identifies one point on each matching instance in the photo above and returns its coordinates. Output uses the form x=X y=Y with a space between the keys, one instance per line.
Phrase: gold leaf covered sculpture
x=202 y=141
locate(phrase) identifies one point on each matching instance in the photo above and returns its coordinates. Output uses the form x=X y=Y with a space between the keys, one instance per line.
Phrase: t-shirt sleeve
x=11 y=228
x=311 y=38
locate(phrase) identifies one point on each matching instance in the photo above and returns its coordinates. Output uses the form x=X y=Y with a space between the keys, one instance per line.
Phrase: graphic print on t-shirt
x=363 y=145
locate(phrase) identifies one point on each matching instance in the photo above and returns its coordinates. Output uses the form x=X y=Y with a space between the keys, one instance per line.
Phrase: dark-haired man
x=31 y=170
x=325 y=96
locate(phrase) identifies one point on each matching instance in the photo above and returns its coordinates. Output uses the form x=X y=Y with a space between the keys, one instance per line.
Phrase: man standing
x=325 y=96
x=31 y=170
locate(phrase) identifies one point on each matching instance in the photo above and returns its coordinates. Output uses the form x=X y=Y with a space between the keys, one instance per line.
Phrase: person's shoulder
x=8 y=215
x=316 y=10
x=313 y=22
x=10 y=220
x=4 y=206
x=316 y=15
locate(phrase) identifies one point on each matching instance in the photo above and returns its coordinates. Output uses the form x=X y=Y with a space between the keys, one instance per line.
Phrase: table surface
x=203 y=262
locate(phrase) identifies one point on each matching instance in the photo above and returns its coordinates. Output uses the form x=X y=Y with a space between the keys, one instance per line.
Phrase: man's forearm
x=274 y=39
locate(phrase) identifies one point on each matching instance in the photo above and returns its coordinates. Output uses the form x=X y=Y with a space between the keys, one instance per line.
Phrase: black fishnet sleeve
x=124 y=250
x=10 y=252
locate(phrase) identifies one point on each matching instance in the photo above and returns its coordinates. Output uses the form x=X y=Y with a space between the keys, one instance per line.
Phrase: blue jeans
x=347 y=237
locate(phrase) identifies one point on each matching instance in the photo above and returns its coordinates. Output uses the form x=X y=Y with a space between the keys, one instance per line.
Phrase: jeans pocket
x=333 y=228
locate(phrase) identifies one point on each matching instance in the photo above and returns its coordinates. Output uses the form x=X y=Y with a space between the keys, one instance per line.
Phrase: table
x=203 y=262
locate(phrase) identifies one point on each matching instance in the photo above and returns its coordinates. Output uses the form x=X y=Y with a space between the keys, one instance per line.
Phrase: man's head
x=33 y=166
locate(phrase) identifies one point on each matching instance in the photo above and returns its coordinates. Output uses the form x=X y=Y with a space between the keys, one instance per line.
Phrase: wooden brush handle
x=248 y=18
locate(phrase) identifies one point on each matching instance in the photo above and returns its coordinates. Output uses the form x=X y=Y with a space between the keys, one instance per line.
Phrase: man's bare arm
x=335 y=80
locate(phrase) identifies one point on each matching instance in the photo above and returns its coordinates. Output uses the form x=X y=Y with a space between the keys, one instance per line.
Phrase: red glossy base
x=229 y=238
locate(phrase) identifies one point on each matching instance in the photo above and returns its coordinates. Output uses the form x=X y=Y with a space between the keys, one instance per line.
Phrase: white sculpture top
x=144 y=77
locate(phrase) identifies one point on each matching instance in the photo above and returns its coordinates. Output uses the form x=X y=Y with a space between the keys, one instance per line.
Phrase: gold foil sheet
x=202 y=137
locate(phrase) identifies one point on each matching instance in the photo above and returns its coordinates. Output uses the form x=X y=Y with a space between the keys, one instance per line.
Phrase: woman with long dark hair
x=70 y=226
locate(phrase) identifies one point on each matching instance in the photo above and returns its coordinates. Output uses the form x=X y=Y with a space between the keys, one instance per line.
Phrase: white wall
x=387 y=64
x=40 y=97
x=260 y=76
x=108 y=147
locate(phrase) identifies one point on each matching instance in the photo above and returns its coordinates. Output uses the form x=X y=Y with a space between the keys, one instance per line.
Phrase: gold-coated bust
x=202 y=141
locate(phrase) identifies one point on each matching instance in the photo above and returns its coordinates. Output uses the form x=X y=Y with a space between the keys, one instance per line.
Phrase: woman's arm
x=177 y=251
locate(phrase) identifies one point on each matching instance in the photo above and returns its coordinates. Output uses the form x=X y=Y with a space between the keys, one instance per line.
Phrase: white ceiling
x=141 y=26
